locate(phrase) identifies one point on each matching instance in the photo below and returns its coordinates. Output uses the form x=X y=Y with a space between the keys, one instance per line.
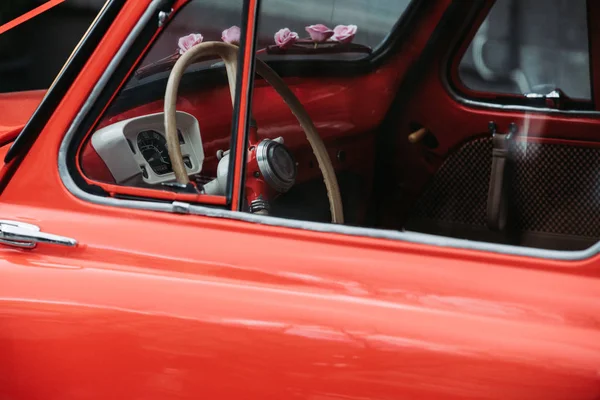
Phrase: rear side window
x=530 y=47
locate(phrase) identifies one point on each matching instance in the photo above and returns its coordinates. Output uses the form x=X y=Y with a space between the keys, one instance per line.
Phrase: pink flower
x=187 y=42
x=284 y=38
x=344 y=33
x=319 y=33
x=231 y=35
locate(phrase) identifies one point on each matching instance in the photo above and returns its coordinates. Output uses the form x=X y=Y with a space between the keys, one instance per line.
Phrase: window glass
x=315 y=140
x=530 y=46
x=129 y=146
x=306 y=129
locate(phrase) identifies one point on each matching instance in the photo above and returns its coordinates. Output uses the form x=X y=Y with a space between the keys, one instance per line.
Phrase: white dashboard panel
x=122 y=147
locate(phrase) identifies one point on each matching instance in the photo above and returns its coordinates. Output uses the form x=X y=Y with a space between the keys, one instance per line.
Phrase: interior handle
x=417 y=135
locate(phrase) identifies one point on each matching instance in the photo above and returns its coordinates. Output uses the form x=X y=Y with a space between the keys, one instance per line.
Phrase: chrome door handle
x=27 y=236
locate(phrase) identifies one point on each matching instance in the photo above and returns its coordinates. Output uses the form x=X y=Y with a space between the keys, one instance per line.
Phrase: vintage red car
x=369 y=199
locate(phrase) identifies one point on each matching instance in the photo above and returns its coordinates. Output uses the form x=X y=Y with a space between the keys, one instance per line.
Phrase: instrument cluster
x=135 y=150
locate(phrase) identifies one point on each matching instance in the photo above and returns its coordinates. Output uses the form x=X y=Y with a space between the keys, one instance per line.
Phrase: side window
x=127 y=153
x=309 y=160
x=130 y=153
x=530 y=47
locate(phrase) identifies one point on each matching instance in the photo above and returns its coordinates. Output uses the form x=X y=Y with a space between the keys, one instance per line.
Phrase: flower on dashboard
x=344 y=33
x=187 y=42
x=319 y=32
x=231 y=35
x=284 y=38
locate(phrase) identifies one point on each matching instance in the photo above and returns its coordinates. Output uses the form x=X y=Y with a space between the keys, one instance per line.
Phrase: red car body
x=159 y=305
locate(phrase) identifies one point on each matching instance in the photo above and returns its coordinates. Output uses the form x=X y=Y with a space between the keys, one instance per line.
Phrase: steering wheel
x=228 y=54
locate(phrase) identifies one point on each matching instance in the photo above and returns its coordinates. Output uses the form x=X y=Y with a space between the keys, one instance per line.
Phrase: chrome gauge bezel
x=278 y=180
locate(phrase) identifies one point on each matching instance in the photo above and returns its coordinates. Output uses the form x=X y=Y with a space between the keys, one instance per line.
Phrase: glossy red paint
x=15 y=110
x=243 y=105
x=152 y=320
x=255 y=186
x=156 y=305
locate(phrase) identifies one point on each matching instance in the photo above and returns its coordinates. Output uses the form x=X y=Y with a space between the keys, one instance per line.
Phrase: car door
x=503 y=73
x=154 y=304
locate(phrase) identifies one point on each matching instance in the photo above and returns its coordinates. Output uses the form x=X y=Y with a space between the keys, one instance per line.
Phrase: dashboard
x=136 y=148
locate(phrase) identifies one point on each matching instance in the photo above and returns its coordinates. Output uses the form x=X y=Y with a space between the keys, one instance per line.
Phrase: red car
x=403 y=202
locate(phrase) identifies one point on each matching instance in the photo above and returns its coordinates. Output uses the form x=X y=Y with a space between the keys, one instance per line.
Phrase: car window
x=128 y=148
x=530 y=46
x=129 y=145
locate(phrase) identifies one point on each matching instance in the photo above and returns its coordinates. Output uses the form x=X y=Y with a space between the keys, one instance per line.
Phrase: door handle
x=27 y=236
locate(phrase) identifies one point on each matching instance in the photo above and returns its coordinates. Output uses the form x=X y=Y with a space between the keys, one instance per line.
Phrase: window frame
x=513 y=101
x=441 y=245
x=143 y=37
x=126 y=67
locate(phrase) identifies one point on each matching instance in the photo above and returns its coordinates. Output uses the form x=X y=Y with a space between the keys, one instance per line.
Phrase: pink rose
x=231 y=35
x=344 y=33
x=319 y=32
x=189 y=41
x=284 y=38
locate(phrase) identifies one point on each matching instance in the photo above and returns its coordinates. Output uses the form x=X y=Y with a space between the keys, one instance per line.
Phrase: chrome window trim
x=179 y=207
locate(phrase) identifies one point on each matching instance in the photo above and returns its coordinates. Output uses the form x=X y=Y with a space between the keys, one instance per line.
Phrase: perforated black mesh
x=458 y=191
x=555 y=188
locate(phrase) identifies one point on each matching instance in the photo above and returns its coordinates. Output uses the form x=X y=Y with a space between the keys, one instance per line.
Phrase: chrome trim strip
x=407 y=236
x=178 y=207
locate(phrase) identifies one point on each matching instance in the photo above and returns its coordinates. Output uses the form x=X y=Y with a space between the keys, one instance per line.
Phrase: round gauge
x=276 y=165
x=153 y=147
x=282 y=162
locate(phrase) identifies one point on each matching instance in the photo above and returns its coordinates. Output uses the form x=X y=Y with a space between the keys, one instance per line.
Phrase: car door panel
x=153 y=319
x=160 y=305
x=554 y=153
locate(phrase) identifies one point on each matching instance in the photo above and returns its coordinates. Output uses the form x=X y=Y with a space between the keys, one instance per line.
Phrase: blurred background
x=524 y=46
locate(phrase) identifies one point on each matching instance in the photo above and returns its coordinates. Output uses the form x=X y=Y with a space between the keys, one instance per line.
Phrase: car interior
x=444 y=141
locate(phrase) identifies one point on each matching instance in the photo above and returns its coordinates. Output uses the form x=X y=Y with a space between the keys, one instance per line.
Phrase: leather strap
x=497 y=202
